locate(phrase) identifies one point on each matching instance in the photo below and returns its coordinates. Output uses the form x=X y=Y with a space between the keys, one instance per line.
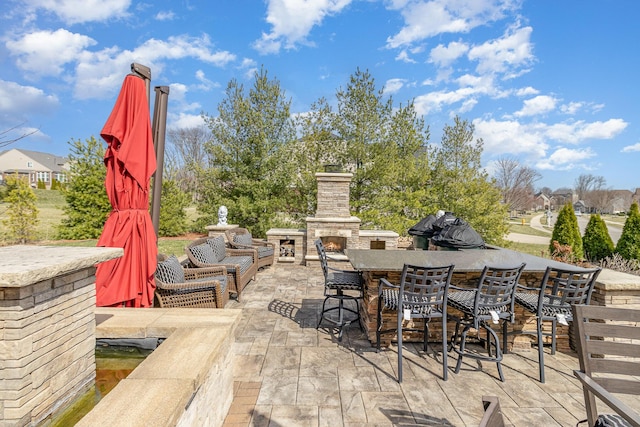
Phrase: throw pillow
x=203 y=253
x=243 y=239
x=218 y=248
x=170 y=271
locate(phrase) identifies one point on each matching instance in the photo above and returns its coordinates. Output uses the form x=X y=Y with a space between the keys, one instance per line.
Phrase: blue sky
x=552 y=83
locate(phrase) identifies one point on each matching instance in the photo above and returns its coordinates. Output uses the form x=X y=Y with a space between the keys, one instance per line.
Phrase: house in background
x=34 y=165
x=541 y=202
x=620 y=201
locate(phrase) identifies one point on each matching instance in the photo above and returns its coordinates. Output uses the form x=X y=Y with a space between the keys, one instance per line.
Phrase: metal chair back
x=495 y=292
x=423 y=290
x=563 y=288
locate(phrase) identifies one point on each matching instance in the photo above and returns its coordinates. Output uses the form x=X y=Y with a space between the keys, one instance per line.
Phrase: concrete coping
x=612 y=280
x=163 y=385
x=286 y=231
x=23 y=265
x=378 y=233
x=334 y=219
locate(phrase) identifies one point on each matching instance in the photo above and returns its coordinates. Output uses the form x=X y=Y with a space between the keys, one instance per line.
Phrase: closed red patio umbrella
x=130 y=162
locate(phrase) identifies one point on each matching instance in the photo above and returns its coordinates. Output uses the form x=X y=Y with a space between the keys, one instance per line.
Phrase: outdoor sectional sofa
x=241 y=264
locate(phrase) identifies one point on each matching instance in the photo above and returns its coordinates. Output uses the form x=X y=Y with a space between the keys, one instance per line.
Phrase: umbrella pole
x=158 y=132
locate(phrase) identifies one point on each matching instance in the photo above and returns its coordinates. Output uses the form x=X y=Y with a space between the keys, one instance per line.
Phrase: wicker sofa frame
x=258 y=244
x=196 y=292
x=236 y=279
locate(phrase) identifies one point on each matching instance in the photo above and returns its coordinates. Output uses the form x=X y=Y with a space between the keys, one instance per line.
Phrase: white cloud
x=526 y=91
x=165 y=16
x=19 y=102
x=46 y=52
x=404 y=57
x=539 y=105
x=79 y=11
x=566 y=159
x=571 y=108
x=506 y=54
x=99 y=73
x=631 y=148
x=511 y=137
x=292 y=20
x=393 y=85
x=424 y=19
x=205 y=83
x=184 y=121
x=579 y=131
x=443 y=56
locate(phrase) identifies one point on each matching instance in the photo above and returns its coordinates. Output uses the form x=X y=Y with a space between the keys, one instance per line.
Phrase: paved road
x=614 y=231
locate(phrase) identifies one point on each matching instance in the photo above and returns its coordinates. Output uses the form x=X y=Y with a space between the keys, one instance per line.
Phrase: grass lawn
x=50 y=206
x=166 y=245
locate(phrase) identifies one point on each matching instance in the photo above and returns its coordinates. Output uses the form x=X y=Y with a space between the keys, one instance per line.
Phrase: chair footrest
x=344 y=322
x=477 y=356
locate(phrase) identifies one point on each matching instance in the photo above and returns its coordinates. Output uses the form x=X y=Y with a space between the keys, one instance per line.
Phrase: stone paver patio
x=288 y=373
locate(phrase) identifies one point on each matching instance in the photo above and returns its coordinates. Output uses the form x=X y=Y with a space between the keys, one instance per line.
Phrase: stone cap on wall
x=23 y=265
x=612 y=280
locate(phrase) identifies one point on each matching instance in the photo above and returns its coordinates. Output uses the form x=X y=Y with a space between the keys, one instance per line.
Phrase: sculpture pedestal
x=218 y=230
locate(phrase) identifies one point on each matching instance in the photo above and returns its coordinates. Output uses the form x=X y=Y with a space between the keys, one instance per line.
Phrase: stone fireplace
x=332 y=223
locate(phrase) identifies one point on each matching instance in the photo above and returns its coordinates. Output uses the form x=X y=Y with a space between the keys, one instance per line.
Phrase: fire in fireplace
x=334 y=244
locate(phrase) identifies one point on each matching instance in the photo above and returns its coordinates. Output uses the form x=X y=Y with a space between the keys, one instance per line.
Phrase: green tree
x=400 y=195
x=317 y=146
x=248 y=169
x=22 y=212
x=385 y=148
x=173 y=218
x=460 y=185
x=629 y=243
x=87 y=205
x=596 y=242
x=566 y=232
x=361 y=124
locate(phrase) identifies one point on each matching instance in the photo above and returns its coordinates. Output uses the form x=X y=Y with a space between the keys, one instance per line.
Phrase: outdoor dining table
x=377 y=264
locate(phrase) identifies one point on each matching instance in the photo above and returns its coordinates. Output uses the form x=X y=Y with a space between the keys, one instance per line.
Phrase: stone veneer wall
x=47 y=335
x=298 y=236
x=333 y=195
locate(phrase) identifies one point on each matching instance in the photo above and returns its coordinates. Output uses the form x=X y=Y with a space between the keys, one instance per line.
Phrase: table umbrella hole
x=115 y=360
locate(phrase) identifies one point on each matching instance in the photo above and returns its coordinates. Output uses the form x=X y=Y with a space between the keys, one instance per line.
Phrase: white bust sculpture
x=222 y=215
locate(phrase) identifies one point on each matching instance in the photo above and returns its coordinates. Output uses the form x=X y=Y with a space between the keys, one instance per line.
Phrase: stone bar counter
x=47 y=328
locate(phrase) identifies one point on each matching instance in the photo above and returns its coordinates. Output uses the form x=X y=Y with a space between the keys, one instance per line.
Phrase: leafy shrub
x=567 y=232
x=596 y=241
x=22 y=212
x=56 y=185
x=173 y=218
x=87 y=202
x=629 y=243
x=41 y=185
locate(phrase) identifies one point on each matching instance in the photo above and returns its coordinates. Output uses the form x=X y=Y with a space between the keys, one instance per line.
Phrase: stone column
x=47 y=328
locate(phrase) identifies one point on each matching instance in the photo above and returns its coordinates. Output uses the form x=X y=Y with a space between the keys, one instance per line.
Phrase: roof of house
x=53 y=162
